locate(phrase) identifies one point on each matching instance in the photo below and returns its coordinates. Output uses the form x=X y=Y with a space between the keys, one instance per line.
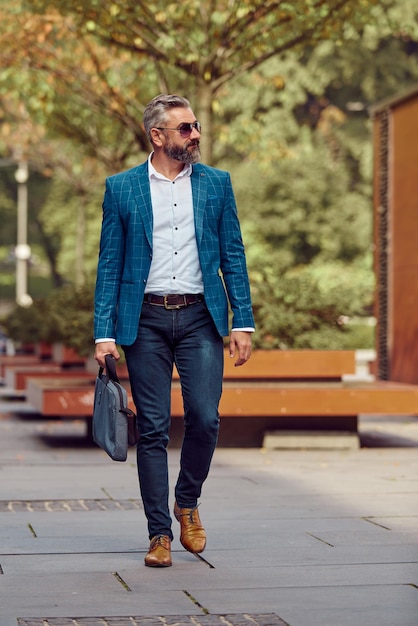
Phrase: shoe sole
x=193 y=551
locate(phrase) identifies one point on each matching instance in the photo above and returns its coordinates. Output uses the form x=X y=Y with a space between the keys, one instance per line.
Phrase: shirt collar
x=153 y=174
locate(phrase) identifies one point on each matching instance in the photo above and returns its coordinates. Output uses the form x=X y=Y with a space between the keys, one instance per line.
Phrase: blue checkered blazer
x=126 y=252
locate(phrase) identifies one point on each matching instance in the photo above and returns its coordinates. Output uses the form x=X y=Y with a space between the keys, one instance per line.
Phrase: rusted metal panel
x=403 y=340
x=396 y=236
x=381 y=239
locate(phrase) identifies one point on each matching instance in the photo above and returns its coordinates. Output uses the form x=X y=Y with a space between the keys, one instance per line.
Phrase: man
x=170 y=245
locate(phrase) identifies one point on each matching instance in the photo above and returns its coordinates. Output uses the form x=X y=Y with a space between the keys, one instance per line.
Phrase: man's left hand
x=240 y=345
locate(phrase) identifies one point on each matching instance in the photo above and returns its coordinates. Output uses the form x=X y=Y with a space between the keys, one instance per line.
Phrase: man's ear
x=156 y=136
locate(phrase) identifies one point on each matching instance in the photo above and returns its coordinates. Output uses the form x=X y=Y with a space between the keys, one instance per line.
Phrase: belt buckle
x=170 y=307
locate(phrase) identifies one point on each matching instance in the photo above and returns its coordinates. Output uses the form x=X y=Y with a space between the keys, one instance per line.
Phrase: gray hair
x=155 y=113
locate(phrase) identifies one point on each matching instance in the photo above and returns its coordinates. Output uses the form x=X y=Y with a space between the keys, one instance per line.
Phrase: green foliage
x=305 y=209
x=58 y=220
x=64 y=316
x=107 y=59
x=69 y=318
x=213 y=40
x=22 y=324
x=311 y=307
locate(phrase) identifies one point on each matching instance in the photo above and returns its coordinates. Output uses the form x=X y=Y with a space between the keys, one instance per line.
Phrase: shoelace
x=190 y=515
x=158 y=541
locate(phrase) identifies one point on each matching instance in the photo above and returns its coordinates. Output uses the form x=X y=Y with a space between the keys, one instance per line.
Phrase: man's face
x=185 y=150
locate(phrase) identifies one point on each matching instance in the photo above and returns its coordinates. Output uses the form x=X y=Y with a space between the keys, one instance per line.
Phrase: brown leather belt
x=173 y=300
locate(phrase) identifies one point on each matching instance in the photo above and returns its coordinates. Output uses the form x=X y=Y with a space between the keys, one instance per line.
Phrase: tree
x=190 y=46
x=294 y=130
x=297 y=138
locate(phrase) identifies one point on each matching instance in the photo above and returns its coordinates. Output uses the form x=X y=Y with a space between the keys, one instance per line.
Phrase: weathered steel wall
x=396 y=237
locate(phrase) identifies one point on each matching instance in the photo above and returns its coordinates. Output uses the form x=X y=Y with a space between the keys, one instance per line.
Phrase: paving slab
x=380 y=605
x=82 y=594
x=303 y=538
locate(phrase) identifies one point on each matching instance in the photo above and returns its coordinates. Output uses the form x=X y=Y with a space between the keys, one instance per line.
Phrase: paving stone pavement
x=295 y=537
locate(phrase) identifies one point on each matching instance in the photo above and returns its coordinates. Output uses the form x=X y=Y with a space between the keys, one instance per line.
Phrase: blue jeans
x=188 y=338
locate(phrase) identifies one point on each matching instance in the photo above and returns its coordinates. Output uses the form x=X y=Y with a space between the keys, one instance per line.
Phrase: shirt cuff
x=245 y=330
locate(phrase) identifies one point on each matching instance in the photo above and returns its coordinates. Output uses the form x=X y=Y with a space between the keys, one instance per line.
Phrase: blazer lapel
x=199 y=192
x=142 y=195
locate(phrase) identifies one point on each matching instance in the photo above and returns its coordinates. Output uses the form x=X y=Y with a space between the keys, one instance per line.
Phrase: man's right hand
x=103 y=348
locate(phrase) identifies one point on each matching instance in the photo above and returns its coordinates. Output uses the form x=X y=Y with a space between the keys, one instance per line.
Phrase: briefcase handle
x=111 y=373
x=111 y=368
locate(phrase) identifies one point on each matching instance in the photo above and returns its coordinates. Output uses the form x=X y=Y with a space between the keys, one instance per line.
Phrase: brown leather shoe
x=159 y=553
x=192 y=533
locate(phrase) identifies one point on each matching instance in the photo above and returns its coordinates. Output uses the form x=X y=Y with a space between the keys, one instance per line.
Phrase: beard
x=183 y=154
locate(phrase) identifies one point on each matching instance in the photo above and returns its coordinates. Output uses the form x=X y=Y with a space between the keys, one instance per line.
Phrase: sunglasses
x=185 y=129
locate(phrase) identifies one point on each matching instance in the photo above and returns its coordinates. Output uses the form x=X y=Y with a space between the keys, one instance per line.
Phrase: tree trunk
x=204 y=115
x=80 y=241
x=51 y=252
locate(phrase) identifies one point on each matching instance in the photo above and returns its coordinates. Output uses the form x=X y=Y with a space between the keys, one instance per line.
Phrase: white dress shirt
x=175 y=266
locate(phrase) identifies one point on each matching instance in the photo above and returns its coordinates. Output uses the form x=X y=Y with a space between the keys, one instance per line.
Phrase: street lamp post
x=22 y=250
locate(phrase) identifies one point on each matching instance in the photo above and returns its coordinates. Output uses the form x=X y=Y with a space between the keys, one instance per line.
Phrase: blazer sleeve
x=233 y=262
x=110 y=267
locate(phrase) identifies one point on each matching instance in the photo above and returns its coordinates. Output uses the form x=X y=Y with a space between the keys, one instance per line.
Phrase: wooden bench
x=18 y=359
x=295 y=389
x=265 y=370
x=16 y=376
x=70 y=396
x=16 y=369
x=291 y=364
